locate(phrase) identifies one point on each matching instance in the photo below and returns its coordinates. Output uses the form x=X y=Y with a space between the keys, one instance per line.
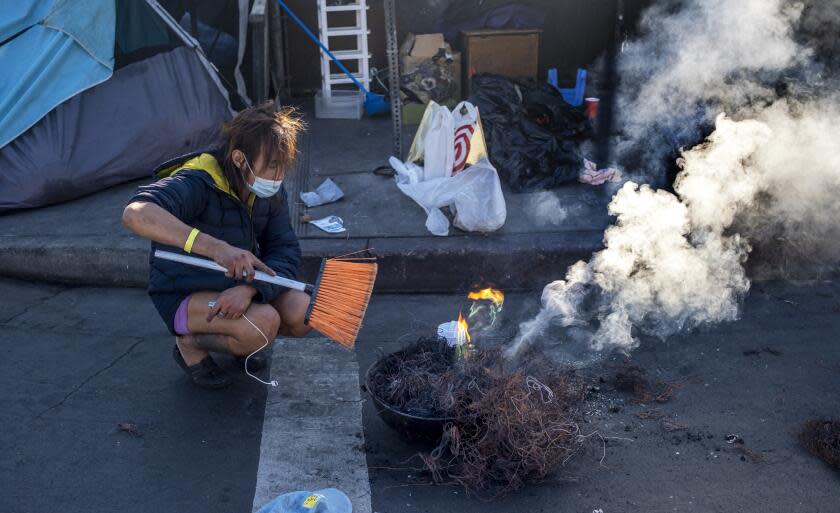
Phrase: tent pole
x=258 y=22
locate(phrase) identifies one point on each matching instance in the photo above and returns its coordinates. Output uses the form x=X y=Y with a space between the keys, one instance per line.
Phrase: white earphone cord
x=273 y=382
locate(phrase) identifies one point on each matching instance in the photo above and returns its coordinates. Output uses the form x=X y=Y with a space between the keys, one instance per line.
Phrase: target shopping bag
x=455 y=172
x=448 y=141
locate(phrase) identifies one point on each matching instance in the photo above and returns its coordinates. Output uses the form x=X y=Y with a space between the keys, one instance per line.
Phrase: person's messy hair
x=261 y=130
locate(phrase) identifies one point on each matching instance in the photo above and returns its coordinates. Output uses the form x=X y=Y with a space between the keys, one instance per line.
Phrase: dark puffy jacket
x=196 y=192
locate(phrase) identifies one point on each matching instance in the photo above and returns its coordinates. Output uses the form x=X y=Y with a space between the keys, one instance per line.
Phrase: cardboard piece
x=427 y=45
x=421 y=48
x=510 y=53
x=431 y=50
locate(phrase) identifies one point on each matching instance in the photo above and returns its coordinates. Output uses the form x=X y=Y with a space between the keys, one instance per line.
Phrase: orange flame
x=496 y=296
x=463 y=332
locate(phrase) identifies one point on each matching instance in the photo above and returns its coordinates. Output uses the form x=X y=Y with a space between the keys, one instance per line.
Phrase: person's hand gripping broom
x=340 y=295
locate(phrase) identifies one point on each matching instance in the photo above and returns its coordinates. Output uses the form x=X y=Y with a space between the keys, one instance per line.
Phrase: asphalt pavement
x=80 y=362
x=97 y=417
x=758 y=378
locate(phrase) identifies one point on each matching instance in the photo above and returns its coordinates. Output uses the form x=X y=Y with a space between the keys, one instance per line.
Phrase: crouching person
x=228 y=205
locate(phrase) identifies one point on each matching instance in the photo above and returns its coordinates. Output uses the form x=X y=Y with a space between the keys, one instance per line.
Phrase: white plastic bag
x=474 y=195
x=438 y=142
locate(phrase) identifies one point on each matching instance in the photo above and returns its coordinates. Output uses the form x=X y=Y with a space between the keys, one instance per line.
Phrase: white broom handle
x=213 y=266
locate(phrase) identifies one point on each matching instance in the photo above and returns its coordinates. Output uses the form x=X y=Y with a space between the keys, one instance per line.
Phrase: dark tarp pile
x=98 y=92
x=463 y=15
x=533 y=135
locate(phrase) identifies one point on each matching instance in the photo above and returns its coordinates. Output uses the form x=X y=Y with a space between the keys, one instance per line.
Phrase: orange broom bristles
x=341 y=298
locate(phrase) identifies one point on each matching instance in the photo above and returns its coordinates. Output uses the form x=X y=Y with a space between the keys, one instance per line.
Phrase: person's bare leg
x=195 y=348
x=232 y=336
x=292 y=306
x=190 y=352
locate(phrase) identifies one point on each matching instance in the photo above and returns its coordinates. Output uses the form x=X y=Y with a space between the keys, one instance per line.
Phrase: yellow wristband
x=191 y=240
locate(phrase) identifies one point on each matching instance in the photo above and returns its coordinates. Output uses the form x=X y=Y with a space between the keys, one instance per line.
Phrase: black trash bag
x=533 y=135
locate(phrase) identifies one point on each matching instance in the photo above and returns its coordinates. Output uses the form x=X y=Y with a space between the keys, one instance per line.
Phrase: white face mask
x=263 y=187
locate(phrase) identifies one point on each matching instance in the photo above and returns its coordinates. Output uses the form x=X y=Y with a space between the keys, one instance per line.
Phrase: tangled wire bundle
x=822 y=438
x=633 y=379
x=510 y=428
x=420 y=380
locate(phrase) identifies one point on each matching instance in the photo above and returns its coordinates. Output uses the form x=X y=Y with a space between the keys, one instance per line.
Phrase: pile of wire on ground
x=507 y=427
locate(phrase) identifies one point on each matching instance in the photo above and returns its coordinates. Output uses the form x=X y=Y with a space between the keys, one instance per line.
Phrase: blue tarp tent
x=53 y=53
x=95 y=93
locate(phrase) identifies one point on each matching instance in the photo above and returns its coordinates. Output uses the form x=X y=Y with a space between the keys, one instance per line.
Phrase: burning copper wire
x=505 y=429
x=505 y=435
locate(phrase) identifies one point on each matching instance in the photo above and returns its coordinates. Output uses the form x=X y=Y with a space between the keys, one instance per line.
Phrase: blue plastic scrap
x=328 y=500
x=574 y=96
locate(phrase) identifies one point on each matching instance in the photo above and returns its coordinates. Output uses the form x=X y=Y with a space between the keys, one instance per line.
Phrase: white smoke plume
x=545 y=209
x=711 y=50
x=698 y=58
x=768 y=176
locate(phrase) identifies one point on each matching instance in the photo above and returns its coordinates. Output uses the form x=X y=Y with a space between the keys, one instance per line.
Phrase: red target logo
x=463 y=136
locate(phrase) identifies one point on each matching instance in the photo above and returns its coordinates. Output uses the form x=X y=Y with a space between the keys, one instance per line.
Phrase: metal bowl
x=411 y=427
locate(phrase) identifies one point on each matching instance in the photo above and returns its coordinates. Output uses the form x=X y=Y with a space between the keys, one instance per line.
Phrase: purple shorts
x=181 y=324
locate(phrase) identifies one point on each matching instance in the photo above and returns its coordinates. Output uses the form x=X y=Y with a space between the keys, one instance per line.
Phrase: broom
x=340 y=296
x=374 y=104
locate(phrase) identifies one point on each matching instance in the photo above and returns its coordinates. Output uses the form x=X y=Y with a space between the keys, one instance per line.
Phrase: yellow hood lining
x=208 y=164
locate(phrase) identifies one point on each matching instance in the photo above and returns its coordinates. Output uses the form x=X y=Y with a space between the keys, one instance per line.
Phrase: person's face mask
x=263 y=187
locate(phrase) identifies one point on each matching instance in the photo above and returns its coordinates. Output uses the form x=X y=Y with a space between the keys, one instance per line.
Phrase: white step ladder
x=343 y=102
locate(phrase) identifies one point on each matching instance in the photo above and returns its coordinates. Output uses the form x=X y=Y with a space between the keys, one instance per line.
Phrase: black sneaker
x=205 y=374
x=256 y=363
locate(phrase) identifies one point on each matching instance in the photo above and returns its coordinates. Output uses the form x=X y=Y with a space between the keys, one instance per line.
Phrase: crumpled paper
x=331 y=224
x=327 y=192
x=594 y=176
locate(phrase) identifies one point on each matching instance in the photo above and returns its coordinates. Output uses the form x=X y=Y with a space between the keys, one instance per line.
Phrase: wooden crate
x=512 y=53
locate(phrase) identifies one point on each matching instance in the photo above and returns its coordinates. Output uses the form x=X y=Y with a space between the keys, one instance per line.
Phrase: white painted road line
x=312 y=431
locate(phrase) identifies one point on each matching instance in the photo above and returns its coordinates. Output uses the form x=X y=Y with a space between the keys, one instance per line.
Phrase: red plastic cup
x=591 y=107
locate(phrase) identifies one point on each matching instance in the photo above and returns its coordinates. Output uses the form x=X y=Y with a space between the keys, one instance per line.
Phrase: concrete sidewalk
x=84 y=242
